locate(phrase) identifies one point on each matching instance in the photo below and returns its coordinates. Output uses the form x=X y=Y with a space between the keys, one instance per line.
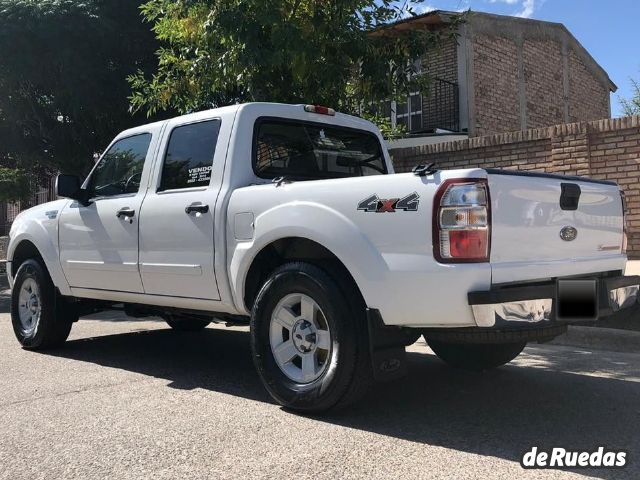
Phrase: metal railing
x=441 y=107
x=42 y=193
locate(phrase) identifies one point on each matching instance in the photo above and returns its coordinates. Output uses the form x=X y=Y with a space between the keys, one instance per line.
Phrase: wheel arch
x=25 y=250
x=290 y=249
x=42 y=248
x=332 y=235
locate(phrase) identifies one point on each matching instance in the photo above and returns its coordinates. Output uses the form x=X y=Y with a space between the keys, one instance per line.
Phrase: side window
x=189 y=158
x=120 y=169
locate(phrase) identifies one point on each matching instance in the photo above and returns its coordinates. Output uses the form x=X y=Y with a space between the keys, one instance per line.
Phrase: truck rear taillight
x=462 y=221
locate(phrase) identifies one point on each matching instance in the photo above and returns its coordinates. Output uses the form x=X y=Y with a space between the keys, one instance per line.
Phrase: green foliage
x=295 y=51
x=631 y=106
x=14 y=185
x=63 y=87
x=388 y=131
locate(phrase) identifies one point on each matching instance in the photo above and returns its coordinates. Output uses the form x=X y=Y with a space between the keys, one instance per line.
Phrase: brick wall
x=604 y=149
x=495 y=85
x=443 y=62
x=588 y=98
x=543 y=77
x=529 y=74
x=440 y=104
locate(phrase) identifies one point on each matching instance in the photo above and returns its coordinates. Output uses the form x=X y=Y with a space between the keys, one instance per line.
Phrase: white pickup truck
x=289 y=218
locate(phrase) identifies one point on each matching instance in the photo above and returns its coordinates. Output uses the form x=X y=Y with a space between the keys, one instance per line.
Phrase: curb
x=598 y=338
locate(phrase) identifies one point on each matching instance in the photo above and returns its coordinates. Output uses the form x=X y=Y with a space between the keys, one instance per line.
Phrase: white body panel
x=526 y=224
x=177 y=249
x=98 y=249
x=39 y=226
x=202 y=262
x=389 y=254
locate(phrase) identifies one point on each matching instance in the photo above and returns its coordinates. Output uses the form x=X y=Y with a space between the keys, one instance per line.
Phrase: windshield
x=310 y=151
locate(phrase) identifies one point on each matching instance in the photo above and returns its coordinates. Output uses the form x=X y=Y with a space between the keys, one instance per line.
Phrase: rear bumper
x=535 y=305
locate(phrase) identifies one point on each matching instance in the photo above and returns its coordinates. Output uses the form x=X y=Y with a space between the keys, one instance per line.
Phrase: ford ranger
x=289 y=218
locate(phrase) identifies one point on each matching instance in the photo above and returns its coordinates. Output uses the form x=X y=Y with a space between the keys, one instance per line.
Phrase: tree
x=295 y=51
x=14 y=185
x=63 y=87
x=631 y=106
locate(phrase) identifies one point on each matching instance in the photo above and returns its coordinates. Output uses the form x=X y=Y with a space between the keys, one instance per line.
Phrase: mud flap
x=387 y=347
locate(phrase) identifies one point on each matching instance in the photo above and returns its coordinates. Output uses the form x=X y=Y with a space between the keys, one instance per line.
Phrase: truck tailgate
x=535 y=235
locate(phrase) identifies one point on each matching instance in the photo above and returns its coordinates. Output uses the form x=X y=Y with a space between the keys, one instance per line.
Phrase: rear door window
x=306 y=150
x=188 y=161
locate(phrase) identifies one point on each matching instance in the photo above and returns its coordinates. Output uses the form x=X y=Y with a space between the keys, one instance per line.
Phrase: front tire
x=40 y=318
x=309 y=343
x=475 y=356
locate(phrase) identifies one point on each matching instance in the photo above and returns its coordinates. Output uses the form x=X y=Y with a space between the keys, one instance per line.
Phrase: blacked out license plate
x=577 y=300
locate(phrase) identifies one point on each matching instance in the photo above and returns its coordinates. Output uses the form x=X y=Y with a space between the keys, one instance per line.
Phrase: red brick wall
x=528 y=75
x=495 y=85
x=604 y=149
x=588 y=98
x=443 y=62
x=543 y=77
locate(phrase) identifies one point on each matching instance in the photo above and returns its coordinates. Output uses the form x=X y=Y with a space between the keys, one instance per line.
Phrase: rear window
x=312 y=151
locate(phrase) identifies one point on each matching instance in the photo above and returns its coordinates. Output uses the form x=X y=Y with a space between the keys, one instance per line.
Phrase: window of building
x=189 y=159
x=407 y=112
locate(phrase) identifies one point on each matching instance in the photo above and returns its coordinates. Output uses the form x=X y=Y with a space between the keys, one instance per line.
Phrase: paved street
x=129 y=399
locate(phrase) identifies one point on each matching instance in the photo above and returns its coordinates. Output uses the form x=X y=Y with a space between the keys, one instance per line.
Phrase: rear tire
x=475 y=356
x=186 y=324
x=41 y=319
x=320 y=336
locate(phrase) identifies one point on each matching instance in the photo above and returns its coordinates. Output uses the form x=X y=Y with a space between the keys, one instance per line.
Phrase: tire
x=186 y=324
x=341 y=371
x=52 y=316
x=475 y=356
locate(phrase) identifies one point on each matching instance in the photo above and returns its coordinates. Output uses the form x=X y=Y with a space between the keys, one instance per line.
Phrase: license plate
x=577 y=300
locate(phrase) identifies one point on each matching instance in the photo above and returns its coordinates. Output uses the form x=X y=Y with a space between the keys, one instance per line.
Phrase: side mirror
x=69 y=186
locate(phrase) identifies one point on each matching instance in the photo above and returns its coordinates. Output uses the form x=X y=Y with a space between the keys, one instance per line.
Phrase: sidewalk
x=599 y=338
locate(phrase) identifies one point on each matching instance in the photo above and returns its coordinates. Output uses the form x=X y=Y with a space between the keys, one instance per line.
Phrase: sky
x=609 y=31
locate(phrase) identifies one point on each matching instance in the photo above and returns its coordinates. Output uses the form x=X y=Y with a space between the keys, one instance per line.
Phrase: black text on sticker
x=390 y=205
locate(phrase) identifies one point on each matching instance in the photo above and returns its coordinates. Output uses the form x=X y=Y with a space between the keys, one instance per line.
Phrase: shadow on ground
x=5 y=298
x=502 y=413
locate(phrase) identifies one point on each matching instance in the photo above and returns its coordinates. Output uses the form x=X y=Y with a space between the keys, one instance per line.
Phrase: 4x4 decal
x=390 y=205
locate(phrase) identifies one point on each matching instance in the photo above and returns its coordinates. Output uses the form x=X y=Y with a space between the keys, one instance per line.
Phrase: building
x=502 y=74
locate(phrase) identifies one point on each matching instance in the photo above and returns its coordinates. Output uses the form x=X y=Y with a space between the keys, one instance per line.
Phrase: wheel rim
x=300 y=338
x=29 y=306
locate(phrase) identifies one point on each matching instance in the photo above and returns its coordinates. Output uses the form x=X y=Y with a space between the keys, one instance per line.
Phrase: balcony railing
x=424 y=112
x=441 y=107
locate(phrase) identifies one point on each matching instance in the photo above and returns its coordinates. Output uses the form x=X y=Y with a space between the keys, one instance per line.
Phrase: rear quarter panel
x=389 y=254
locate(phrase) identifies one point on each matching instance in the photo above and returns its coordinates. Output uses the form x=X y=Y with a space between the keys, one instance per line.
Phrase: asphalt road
x=133 y=399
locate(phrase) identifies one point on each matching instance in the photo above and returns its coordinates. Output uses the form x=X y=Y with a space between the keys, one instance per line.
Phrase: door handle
x=125 y=212
x=196 y=207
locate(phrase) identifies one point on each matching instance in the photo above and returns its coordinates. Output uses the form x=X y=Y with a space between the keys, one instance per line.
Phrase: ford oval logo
x=568 y=233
